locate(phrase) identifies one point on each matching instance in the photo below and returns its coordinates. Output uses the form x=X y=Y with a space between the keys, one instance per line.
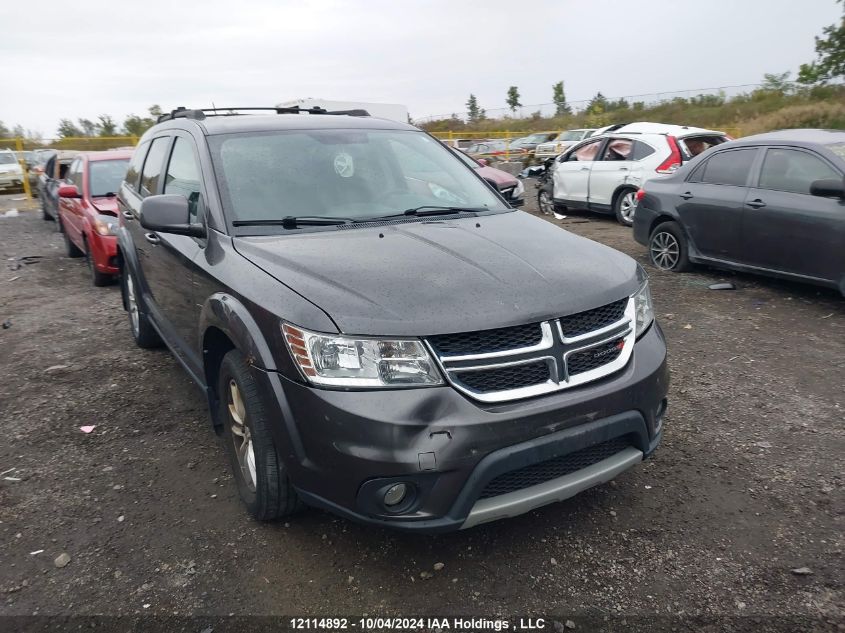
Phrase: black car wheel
x=97 y=278
x=624 y=206
x=667 y=248
x=71 y=249
x=142 y=330
x=262 y=480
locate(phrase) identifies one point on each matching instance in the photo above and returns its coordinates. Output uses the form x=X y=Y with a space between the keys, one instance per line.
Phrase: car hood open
x=445 y=275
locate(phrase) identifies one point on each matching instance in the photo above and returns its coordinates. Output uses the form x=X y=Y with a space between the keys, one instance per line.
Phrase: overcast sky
x=89 y=57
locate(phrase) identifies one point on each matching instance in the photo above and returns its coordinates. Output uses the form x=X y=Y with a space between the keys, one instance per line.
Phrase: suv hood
x=445 y=276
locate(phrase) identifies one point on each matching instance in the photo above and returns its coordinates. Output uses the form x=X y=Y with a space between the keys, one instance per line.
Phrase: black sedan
x=772 y=204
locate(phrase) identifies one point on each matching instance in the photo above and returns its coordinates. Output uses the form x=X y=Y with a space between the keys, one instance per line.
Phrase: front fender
x=230 y=316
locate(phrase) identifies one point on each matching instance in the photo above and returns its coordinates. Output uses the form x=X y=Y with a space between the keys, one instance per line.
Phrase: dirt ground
x=745 y=491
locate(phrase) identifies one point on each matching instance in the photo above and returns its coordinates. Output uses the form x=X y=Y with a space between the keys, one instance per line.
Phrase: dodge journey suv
x=378 y=333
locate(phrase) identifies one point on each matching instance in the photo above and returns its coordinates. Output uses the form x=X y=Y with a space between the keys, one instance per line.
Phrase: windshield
x=466 y=159
x=8 y=159
x=356 y=174
x=105 y=176
x=536 y=138
x=572 y=135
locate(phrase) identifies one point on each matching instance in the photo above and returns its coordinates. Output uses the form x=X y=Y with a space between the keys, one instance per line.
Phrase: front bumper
x=344 y=448
x=104 y=253
x=11 y=179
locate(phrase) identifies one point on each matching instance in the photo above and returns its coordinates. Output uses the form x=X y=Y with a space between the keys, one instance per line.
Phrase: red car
x=88 y=210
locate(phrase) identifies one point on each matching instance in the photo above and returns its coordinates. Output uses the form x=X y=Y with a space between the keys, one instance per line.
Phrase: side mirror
x=483 y=162
x=828 y=188
x=168 y=213
x=69 y=191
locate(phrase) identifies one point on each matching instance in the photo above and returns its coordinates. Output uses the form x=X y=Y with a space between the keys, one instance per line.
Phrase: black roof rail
x=201 y=113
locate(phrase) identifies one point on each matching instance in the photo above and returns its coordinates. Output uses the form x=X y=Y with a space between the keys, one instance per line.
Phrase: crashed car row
x=773 y=204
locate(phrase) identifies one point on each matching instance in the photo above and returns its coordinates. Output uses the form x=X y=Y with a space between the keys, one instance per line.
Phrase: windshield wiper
x=291 y=222
x=429 y=210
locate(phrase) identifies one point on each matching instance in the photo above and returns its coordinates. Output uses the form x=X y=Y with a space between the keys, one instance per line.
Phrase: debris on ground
x=438 y=566
x=802 y=571
x=53 y=368
x=88 y=429
x=7 y=324
x=62 y=560
x=11 y=213
x=722 y=286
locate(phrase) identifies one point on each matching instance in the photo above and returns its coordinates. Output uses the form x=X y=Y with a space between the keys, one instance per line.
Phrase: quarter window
x=729 y=168
x=793 y=170
x=641 y=150
x=183 y=175
x=153 y=165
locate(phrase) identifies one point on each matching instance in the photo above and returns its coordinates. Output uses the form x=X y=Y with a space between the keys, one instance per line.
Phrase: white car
x=602 y=173
x=561 y=143
x=11 y=174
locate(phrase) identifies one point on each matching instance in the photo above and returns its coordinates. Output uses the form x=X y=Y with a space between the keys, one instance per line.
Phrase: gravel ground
x=737 y=520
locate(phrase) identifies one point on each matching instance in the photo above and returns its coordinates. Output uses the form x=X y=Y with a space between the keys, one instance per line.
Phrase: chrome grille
x=530 y=360
x=487 y=341
x=501 y=378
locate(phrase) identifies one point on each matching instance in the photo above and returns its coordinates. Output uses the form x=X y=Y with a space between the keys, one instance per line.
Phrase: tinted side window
x=641 y=150
x=793 y=170
x=135 y=164
x=153 y=166
x=729 y=168
x=183 y=174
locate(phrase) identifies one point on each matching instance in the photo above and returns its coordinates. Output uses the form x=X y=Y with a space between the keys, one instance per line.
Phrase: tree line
x=828 y=67
x=103 y=126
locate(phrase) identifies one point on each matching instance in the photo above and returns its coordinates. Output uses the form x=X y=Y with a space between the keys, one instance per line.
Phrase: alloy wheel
x=627 y=206
x=241 y=435
x=665 y=250
x=134 y=317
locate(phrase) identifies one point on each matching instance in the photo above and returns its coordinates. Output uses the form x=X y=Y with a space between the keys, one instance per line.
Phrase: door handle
x=686 y=195
x=152 y=238
x=623 y=169
x=128 y=215
x=585 y=169
x=756 y=204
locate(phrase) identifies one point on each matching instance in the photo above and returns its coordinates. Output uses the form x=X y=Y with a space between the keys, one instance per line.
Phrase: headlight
x=518 y=190
x=376 y=363
x=105 y=227
x=644 y=309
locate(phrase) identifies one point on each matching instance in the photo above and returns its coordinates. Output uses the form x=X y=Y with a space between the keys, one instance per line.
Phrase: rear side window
x=74 y=174
x=618 y=149
x=793 y=170
x=183 y=175
x=153 y=166
x=586 y=152
x=134 y=171
x=728 y=168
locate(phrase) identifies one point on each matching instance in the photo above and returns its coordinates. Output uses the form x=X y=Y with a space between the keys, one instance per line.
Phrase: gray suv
x=377 y=331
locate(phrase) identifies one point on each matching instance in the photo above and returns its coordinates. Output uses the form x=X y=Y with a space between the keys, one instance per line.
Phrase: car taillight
x=669 y=165
x=640 y=194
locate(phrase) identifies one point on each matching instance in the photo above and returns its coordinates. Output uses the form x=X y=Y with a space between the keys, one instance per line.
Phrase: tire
x=139 y=324
x=97 y=278
x=668 y=248
x=624 y=206
x=71 y=249
x=44 y=215
x=262 y=480
x=546 y=203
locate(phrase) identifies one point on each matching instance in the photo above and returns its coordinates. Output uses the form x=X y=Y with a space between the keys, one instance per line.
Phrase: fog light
x=395 y=494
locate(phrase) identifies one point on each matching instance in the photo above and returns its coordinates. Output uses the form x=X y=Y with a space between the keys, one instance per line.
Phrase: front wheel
x=71 y=249
x=668 y=249
x=547 y=204
x=262 y=480
x=624 y=206
x=142 y=330
x=97 y=278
